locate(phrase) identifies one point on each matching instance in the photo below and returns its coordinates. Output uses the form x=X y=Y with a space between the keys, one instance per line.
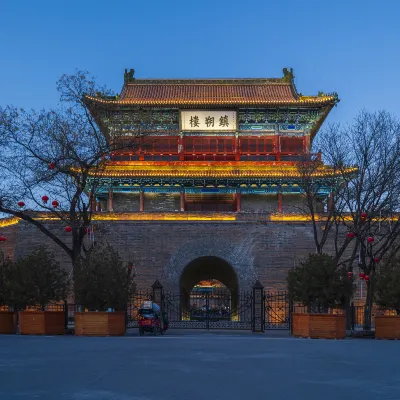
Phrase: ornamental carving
x=288 y=75
x=270 y=116
x=145 y=120
x=129 y=75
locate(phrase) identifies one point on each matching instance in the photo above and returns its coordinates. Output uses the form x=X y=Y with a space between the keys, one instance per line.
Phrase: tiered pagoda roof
x=239 y=169
x=213 y=92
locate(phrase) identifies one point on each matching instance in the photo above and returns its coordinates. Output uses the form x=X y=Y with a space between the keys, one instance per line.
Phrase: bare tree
x=52 y=161
x=361 y=226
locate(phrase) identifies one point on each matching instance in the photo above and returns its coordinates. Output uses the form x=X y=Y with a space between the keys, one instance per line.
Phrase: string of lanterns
x=54 y=203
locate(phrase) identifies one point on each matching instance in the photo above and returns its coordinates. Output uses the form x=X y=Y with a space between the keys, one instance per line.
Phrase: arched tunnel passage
x=205 y=269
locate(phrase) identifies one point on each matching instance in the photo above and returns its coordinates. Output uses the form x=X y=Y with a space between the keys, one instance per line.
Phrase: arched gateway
x=209 y=297
x=209 y=284
x=206 y=268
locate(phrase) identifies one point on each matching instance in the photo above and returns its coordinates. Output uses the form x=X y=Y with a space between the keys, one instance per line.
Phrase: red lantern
x=52 y=165
x=54 y=203
x=363 y=215
x=366 y=278
x=130 y=267
x=21 y=204
x=376 y=259
x=68 y=229
x=370 y=239
x=349 y=275
x=3 y=238
x=45 y=199
x=87 y=230
x=362 y=275
x=350 y=235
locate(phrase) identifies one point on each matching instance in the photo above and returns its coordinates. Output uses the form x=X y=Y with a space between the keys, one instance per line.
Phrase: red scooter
x=149 y=319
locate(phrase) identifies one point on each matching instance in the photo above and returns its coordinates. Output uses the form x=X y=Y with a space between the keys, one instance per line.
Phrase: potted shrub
x=387 y=296
x=7 y=316
x=319 y=285
x=37 y=281
x=103 y=286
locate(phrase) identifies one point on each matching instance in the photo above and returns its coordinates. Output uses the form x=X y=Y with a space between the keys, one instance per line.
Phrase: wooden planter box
x=387 y=327
x=100 y=323
x=41 y=322
x=7 y=322
x=319 y=326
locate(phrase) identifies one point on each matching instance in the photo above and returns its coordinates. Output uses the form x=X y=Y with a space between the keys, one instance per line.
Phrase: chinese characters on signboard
x=208 y=120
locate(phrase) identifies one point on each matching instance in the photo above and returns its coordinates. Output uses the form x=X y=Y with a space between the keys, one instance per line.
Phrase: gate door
x=209 y=310
x=277 y=310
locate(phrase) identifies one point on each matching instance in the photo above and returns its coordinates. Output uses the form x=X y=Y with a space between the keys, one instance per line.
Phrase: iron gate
x=209 y=310
x=216 y=309
x=277 y=310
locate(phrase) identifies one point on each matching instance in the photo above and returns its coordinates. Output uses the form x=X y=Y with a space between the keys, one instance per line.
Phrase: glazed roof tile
x=207 y=92
x=209 y=170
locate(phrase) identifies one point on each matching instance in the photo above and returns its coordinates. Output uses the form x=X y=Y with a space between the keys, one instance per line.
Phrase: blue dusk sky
x=348 y=46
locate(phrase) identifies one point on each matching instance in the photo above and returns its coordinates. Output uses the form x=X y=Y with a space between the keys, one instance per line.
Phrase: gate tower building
x=209 y=145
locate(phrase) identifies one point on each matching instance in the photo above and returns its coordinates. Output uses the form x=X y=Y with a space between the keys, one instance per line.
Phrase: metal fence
x=218 y=311
x=358 y=313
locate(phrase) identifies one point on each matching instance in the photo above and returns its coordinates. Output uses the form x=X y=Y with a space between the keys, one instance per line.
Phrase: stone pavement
x=197 y=366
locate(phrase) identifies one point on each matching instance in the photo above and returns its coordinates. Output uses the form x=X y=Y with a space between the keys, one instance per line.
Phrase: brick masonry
x=161 y=250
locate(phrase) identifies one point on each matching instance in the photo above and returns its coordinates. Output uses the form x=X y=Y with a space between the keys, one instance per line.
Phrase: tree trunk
x=76 y=251
x=368 y=308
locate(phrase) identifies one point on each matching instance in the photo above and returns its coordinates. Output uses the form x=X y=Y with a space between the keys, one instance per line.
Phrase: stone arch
x=205 y=268
x=208 y=267
x=238 y=256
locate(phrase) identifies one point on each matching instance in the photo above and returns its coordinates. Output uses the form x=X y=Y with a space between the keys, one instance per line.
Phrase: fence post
x=157 y=292
x=258 y=307
x=291 y=306
x=349 y=316
x=158 y=299
x=65 y=315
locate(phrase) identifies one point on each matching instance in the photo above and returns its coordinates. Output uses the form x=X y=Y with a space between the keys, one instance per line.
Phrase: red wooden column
x=238 y=201
x=237 y=147
x=280 y=197
x=306 y=144
x=110 y=201
x=141 y=199
x=181 y=149
x=182 y=200
x=277 y=148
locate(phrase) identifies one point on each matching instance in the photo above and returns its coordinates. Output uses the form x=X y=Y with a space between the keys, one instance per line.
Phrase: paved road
x=197 y=366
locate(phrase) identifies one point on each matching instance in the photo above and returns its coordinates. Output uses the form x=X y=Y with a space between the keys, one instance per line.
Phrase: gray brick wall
x=255 y=202
x=153 y=202
x=126 y=202
x=161 y=202
x=162 y=250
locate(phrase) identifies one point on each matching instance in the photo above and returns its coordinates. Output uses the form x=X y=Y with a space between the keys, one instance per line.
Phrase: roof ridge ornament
x=288 y=75
x=129 y=75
